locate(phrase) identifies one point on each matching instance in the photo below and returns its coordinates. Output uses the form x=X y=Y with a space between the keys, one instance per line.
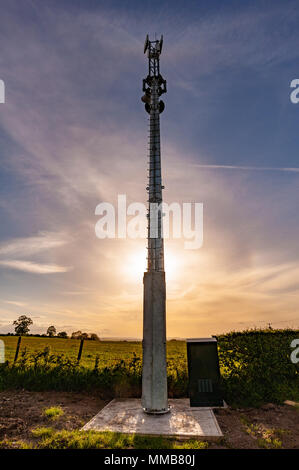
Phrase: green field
x=109 y=352
x=255 y=366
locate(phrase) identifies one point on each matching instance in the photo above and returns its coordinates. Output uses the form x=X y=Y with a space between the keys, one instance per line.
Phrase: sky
x=73 y=134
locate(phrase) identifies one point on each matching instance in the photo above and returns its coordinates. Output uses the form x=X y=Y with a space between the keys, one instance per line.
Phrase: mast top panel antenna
x=154 y=48
x=154 y=83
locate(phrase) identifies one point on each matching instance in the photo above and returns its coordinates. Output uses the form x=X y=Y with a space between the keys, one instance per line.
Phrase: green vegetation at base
x=53 y=413
x=255 y=367
x=48 y=438
x=266 y=438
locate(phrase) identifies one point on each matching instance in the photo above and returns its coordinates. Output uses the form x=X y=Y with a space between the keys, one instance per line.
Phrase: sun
x=171 y=265
x=137 y=265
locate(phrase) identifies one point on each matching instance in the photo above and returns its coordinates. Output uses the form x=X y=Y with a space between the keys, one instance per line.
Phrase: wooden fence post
x=18 y=348
x=80 y=350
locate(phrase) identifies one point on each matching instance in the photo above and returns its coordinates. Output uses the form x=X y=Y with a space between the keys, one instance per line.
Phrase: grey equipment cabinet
x=204 y=373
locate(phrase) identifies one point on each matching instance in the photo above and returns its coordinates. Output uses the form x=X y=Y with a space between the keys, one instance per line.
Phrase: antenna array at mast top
x=154 y=48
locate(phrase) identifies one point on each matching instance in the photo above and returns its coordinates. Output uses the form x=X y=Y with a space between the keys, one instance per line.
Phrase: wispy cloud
x=78 y=138
x=32 y=245
x=247 y=168
x=29 y=246
x=14 y=302
x=35 y=268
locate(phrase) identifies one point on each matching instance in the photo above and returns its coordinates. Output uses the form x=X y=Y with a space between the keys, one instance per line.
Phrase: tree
x=22 y=325
x=51 y=331
x=76 y=334
x=94 y=337
x=62 y=334
x=79 y=335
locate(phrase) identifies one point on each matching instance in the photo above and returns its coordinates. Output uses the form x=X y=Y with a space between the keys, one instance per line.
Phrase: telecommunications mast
x=154 y=373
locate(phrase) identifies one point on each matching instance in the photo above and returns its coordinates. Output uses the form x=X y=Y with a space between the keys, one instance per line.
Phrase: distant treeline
x=75 y=335
x=22 y=328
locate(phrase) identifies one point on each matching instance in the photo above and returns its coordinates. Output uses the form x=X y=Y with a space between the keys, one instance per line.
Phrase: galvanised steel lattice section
x=154 y=85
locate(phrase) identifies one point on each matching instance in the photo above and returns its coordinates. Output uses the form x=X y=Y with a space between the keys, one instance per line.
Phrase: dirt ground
x=271 y=426
x=21 y=411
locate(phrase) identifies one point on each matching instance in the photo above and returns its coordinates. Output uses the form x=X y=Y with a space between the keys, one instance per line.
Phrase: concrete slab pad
x=127 y=416
x=291 y=403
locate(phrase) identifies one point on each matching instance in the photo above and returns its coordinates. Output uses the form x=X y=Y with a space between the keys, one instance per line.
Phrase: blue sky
x=73 y=133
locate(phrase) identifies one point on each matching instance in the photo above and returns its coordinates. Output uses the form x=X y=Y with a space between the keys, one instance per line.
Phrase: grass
x=49 y=438
x=108 y=352
x=53 y=413
x=266 y=438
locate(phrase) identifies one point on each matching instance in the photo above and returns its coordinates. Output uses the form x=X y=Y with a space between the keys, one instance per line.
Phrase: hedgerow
x=256 y=366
